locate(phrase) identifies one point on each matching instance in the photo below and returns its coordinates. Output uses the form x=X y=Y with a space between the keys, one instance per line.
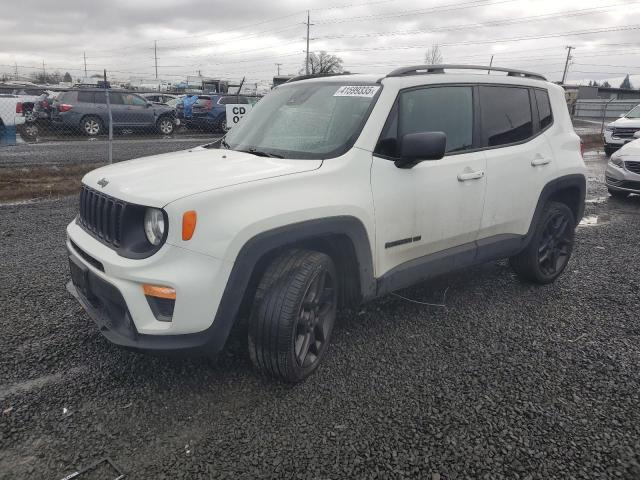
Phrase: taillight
x=208 y=104
x=64 y=107
x=19 y=107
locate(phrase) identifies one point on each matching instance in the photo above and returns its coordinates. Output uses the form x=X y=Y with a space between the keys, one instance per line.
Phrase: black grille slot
x=633 y=166
x=624 y=132
x=102 y=215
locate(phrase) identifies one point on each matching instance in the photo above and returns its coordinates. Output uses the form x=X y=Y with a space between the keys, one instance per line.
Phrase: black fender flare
x=555 y=186
x=212 y=339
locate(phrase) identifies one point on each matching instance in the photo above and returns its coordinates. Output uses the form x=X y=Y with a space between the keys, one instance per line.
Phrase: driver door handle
x=463 y=177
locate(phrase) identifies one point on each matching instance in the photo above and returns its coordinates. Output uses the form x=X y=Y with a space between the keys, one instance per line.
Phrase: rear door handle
x=463 y=177
x=540 y=160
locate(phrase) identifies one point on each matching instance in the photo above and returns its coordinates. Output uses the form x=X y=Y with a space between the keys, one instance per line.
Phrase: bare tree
x=323 y=62
x=433 y=55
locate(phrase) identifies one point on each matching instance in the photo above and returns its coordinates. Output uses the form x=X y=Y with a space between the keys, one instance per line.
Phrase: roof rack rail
x=426 y=69
x=316 y=75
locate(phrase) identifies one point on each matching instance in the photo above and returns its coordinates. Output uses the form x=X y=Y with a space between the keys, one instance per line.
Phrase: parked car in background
x=86 y=110
x=209 y=111
x=43 y=106
x=158 y=97
x=623 y=171
x=28 y=97
x=620 y=132
x=11 y=113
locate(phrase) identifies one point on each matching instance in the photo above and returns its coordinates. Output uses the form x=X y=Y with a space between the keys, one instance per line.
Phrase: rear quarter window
x=544 y=108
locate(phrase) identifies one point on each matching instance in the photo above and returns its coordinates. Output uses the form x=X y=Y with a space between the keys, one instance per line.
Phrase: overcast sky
x=232 y=39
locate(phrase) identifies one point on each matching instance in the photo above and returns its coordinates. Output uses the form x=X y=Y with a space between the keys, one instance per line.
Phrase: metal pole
x=490 y=65
x=604 y=114
x=155 y=54
x=85 y=63
x=106 y=92
x=44 y=73
x=566 y=64
x=306 y=69
x=278 y=65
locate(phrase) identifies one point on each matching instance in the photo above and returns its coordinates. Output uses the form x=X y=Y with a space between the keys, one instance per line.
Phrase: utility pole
x=44 y=73
x=306 y=69
x=566 y=64
x=278 y=65
x=155 y=54
x=84 y=54
x=16 y=65
x=490 y=65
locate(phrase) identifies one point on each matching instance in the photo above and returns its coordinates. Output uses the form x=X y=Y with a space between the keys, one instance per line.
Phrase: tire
x=165 y=125
x=28 y=131
x=91 y=126
x=548 y=253
x=621 y=194
x=608 y=151
x=293 y=313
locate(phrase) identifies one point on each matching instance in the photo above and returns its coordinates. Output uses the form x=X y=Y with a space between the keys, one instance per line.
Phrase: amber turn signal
x=189 y=220
x=159 y=292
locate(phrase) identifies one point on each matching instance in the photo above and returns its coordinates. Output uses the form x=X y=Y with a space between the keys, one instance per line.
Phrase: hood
x=160 y=179
x=627 y=122
x=629 y=149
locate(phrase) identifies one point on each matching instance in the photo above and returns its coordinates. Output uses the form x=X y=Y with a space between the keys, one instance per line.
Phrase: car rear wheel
x=550 y=248
x=91 y=126
x=293 y=315
x=165 y=125
x=618 y=193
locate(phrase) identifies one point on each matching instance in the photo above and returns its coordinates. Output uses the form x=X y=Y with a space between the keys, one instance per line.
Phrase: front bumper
x=618 y=178
x=113 y=296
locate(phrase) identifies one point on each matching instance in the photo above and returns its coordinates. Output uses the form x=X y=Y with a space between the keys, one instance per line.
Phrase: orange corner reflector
x=158 y=291
x=189 y=220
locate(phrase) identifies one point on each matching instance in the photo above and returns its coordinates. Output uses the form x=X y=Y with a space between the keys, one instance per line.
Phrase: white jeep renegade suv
x=333 y=191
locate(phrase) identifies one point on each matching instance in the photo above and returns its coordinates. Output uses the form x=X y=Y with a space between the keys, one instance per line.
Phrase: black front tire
x=293 y=314
x=621 y=194
x=165 y=125
x=549 y=250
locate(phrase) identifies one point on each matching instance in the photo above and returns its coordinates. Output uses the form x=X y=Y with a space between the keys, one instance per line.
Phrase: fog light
x=161 y=300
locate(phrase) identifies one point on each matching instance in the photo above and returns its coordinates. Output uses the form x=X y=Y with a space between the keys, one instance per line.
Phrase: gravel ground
x=95 y=150
x=507 y=381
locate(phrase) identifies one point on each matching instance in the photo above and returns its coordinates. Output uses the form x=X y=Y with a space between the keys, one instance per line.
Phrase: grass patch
x=24 y=183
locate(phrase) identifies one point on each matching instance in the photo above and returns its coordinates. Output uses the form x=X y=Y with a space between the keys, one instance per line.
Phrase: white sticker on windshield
x=356 y=91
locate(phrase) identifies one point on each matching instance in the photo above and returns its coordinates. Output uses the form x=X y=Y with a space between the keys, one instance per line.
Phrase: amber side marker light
x=159 y=292
x=189 y=220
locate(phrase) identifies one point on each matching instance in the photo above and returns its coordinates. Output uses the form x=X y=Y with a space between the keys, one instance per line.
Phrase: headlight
x=617 y=161
x=609 y=127
x=154 y=225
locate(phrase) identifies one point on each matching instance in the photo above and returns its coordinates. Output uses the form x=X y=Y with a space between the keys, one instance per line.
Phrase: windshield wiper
x=260 y=153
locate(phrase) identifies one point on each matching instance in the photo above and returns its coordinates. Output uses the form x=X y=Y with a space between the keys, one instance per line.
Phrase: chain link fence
x=36 y=115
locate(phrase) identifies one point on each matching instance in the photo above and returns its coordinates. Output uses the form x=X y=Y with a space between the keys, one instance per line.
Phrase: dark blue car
x=209 y=111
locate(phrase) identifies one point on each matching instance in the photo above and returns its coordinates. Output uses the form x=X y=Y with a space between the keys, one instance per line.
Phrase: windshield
x=306 y=120
x=634 y=112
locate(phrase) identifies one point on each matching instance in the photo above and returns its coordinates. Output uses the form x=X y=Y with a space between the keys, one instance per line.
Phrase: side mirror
x=417 y=147
x=149 y=104
x=637 y=134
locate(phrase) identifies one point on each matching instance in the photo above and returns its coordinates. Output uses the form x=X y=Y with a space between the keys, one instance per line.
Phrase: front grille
x=101 y=215
x=624 y=132
x=630 y=185
x=633 y=166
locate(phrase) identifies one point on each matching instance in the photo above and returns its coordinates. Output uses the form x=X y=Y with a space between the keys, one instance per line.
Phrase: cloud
x=236 y=39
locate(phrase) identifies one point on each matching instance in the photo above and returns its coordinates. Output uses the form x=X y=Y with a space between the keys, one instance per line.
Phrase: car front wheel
x=293 y=314
x=548 y=252
x=618 y=193
x=165 y=125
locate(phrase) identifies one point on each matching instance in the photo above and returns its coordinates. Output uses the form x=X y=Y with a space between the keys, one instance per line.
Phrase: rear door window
x=86 y=97
x=506 y=115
